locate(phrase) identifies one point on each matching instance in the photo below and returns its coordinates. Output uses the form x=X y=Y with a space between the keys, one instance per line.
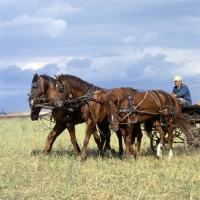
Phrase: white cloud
x=57 y=9
x=25 y=24
x=128 y=40
x=149 y=35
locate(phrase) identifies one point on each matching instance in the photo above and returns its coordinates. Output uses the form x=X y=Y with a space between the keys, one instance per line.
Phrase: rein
x=41 y=117
x=80 y=101
x=77 y=103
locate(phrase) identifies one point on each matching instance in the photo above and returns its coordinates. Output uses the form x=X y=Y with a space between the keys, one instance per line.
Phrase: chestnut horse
x=92 y=101
x=156 y=107
x=42 y=95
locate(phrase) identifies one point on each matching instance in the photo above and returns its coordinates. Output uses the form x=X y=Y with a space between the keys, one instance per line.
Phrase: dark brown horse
x=42 y=95
x=156 y=107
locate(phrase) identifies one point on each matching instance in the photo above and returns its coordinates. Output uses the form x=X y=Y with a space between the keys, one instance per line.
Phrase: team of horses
x=122 y=110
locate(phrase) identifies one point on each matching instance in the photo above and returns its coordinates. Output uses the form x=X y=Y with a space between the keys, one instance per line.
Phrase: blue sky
x=110 y=43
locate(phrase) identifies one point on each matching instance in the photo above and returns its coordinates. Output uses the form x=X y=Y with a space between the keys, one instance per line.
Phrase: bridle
x=35 y=97
x=110 y=120
x=62 y=89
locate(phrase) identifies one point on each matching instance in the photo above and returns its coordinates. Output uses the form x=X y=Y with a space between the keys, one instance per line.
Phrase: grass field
x=25 y=174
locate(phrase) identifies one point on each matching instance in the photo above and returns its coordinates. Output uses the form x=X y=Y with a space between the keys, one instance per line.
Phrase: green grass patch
x=26 y=174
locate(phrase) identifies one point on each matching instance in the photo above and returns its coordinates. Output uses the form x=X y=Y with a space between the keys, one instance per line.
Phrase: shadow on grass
x=93 y=153
x=90 y=153
x=178 y=150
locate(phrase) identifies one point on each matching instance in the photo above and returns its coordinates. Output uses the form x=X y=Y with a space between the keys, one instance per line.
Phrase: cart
x=191 y=113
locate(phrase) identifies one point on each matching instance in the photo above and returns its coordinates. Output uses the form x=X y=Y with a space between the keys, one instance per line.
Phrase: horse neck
x=50 y=92
x=78 y=90
x=122 y=95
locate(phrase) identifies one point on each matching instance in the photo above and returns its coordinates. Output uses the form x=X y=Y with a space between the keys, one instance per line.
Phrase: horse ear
x=62 y=77
x=116 y=102
x=55 y=76
x=35 y=75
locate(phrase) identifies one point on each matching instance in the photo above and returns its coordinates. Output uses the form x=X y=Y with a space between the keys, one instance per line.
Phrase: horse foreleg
x=105 y=138
x=97 y=140
x=119 y=134
x=90 y=127
x=106 y=135
x=136 y=133
x=107 y=147
x=54 y=133
x=131 y=149
x=139 y=139
x=162 y=138
x=71 y=130
x=128 y=136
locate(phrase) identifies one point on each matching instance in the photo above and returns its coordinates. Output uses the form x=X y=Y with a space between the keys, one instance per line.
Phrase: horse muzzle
x=34 y=117
x=59 y=103
x=114 y=127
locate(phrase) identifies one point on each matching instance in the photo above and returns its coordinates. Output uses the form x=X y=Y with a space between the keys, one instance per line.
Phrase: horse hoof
x=109 y=153
x=100 y=153
x=46 y=157
x=159 y=157
x=82 y=160
x=113 y=151
x=136 y=157
x=75 y=157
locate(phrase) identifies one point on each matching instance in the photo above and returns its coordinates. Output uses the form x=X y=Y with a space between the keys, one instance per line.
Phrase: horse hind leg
x=170 y=139
x=159 y=150
x=90 y=129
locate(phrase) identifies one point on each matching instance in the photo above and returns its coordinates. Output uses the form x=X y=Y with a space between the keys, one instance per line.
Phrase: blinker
x=61 y=88
x=35 y=84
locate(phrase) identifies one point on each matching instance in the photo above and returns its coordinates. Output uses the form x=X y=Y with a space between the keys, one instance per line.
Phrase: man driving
x=181 y=92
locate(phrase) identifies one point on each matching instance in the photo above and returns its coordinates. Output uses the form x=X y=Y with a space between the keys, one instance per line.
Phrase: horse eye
x=61 y=88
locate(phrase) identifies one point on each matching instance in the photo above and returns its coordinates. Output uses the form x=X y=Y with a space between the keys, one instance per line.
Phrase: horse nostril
x=34 y=117
x=59 y=103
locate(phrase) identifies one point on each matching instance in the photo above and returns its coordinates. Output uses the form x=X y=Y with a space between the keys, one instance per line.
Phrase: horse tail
x=184 y=125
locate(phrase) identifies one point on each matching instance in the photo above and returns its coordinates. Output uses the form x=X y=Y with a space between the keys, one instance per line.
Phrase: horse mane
x=120 y=93
x=47 y=81
x=77 y=82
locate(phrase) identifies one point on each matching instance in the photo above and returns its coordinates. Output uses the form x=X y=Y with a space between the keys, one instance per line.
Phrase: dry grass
x=25 y=174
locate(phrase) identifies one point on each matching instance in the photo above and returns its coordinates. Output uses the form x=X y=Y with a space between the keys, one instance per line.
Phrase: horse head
x=62 y=90
x=41 y=91
x=112 y=113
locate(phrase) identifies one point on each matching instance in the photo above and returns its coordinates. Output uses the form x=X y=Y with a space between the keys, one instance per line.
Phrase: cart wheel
x=192 y=146
x=155 y=140
x=178 y=134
